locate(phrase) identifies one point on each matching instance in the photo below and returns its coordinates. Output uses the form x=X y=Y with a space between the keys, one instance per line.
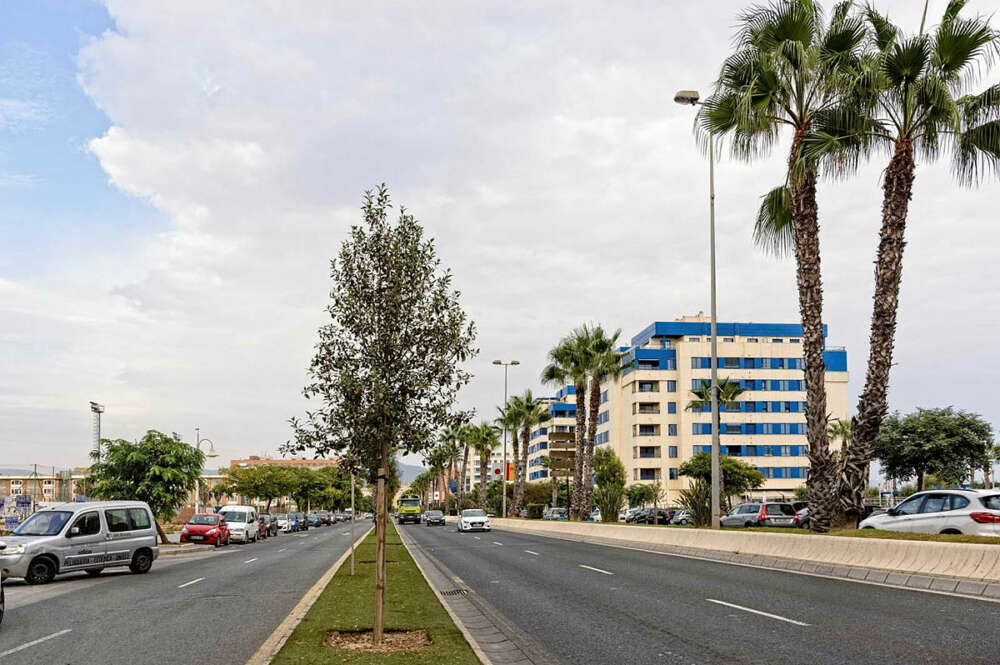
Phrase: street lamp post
x=211 y=453
x=503 y=493
x=691 y=97
x=97 y=409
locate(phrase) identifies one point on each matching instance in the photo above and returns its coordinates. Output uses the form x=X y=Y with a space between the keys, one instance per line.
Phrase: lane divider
x=753 y=611
x=596 y=570
x=532 y=553
x=497 y=543
x=250 y=560
x=191 y=582
x=34 y=642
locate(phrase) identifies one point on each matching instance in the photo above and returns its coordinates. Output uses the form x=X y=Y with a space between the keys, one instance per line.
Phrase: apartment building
x=472 y=476
x=554 y=439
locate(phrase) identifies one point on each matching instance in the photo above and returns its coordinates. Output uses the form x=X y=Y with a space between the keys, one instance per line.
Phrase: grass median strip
x=348 y=605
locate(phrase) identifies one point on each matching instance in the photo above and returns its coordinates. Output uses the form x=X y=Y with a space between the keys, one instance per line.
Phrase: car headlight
x=212 y=532
x=14 y=549
x=184 y=529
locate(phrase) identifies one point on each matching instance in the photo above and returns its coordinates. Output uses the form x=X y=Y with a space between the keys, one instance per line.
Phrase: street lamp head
x=96 y=408
x=687 y=97
x=515 y=362
x=497 y=362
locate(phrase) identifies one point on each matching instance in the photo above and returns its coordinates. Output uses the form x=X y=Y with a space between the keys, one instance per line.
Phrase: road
x=213 y=607
x=603 y=605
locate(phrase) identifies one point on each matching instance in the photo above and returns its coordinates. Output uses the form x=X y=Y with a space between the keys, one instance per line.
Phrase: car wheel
x=218 y=542
x=93 y=572
x=142 y=561
x=951 y=532
x=867 y=527
x=40 y=571
x=749 y=524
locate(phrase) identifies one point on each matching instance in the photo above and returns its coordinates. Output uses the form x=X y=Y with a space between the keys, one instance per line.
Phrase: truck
x=409 y=509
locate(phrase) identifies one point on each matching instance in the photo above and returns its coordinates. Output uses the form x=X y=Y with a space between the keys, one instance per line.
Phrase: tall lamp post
x=503 y=511
x=96 y=410
x=211 y=453
x=691 y=97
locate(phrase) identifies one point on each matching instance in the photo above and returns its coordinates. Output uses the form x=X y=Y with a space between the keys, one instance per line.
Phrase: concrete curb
x=186 y=549
x=272 y=645
x=803 y=556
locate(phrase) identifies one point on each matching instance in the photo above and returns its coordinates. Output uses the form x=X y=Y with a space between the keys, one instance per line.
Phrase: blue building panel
x=683 y=328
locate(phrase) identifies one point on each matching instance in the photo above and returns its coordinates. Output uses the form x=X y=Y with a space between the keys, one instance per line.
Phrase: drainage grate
x=454 y=592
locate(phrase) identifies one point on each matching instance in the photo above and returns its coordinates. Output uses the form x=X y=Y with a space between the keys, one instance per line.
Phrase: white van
x=242 y=522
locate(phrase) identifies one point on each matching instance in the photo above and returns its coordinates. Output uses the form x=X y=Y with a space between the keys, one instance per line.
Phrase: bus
x=409 y=509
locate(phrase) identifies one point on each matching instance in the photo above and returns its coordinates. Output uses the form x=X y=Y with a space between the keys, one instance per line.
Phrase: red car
x=207 y=529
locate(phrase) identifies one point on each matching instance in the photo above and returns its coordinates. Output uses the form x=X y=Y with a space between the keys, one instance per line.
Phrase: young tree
x=387 y=367
x=738 y=477
x=609 y=477
x=638 y=495
x=944 y=442
x=157 y=469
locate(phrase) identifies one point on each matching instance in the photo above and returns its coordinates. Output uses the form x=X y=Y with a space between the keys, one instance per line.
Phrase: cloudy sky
x=175 y=176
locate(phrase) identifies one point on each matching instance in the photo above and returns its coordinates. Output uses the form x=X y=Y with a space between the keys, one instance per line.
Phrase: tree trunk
x=465 y=469
x=576 y=507
x=897 y=191
x=267 y=509
x=588 y=460
x=380 y=527
x=523 y=465
x=483 y=463
x=555 y=490
x=920 y=481
x=514 y=444
x=822 y=482
x=163 y=536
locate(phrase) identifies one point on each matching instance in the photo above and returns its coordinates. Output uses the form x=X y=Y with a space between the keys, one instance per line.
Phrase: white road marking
x=497 y=543
x=34 y=642
x=596 y=570
x=763 y=614
x=477 y=537
x=530 y=552
x=283 y=549
x=191 y=582
x=250 y=560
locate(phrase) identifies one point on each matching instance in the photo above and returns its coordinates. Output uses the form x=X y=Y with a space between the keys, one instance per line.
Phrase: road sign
x=437 y=495
x=496 y=470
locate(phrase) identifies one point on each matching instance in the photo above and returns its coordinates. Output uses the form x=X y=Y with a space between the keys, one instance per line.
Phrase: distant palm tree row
x=845 y=89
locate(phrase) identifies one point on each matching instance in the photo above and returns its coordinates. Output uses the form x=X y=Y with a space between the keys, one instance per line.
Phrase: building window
x=648 y=387
x=753 y=340
x=728 y=339
x=673 y=473
x=794 y=340
x=648 y=474
x=602 y=417
x=671 y=430
x=671 y=386
x=694 y=339
x=729 y=363
x=672 y=451
x=649 y=430
x=649 y=451
x=604 y=397
x=777 y=340
x=671 y=407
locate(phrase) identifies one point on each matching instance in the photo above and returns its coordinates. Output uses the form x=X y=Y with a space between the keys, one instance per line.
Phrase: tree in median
x=945 y=442
x=738 y=477
x=157 y=469
x=387 y=366
x=609 y=477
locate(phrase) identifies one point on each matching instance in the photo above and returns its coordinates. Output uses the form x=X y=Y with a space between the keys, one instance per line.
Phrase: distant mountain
x=407 y=472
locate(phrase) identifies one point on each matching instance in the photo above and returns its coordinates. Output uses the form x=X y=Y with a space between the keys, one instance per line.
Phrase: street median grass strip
x=347 y=605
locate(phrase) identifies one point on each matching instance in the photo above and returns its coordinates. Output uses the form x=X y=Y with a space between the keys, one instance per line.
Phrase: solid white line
x=763 y=614
x=497 y=543
x=596 y=570
x=34 y=642
x=283 y=549
x=250 y=560
x=191 y=582
x=477 y=537
x=530 y=552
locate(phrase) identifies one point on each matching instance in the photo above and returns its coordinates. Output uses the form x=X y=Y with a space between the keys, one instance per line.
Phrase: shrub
x=535 y=511
x=697 y=500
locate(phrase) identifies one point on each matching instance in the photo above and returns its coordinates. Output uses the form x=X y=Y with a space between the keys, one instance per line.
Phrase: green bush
x=535 y=511
x=697 y=500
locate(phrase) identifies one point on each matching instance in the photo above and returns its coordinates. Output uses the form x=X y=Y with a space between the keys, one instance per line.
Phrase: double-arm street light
x=503 y=510
x=96 y=410
x=211 y=453
x=691 y=97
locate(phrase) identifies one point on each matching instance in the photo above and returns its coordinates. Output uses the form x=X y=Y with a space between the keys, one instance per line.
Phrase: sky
x=176 y=175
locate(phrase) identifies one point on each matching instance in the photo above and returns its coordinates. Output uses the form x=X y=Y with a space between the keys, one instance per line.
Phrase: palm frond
x=773 y=231
x=906 y=60
x=977 y=147
x=960 y=45
x=883 y=32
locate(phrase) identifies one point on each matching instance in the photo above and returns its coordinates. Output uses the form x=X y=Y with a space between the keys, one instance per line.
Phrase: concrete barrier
x=965 y=560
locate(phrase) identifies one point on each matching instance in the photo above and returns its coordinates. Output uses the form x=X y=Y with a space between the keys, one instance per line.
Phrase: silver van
x=87 y=536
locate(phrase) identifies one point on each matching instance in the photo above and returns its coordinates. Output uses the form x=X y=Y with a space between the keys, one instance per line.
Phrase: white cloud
x=540 y=146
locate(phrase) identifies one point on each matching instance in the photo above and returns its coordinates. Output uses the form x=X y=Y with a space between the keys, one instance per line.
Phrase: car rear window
x=992 y=502
x=139 y=518
x=780 y=509
x=117 y=520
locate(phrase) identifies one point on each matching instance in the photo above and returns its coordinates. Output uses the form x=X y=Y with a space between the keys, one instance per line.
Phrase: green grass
x=348 y=604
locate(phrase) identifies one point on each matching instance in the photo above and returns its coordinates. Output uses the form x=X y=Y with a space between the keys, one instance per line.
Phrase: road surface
x=597 y=605
x=215 y=607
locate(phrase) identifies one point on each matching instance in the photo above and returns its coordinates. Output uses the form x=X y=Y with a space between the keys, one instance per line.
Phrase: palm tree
x=531 y=413
x=913 y=93
x=840 y=429
x=729 y=392
x=437 y=460
x=421 y=484
x=790 y=70
x=450 y=437
x=466 y=439
x=568 y=363
x=509 y=417
x=484 y=441
x=605 y=362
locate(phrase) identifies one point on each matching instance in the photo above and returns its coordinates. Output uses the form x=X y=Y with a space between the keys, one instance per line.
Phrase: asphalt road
x=595 y=605
x=214 y=607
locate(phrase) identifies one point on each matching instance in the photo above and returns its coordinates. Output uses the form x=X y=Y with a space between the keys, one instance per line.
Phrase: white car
x=242 y=522
x=975 y=512
x=473 y=519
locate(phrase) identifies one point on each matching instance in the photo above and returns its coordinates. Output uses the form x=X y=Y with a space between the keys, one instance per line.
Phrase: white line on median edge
x=763 y=614
x=530 y=552
x=497 y=543
x=251 y=560
x=191 y=582
x=596 y=570
x=34 y=642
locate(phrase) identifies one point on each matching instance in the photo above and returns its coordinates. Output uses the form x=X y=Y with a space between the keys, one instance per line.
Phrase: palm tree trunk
x=465 y=469
x=872 y=405
x=576 y=502
x=522 y=464
x=588 y=460
x=823 y=498
x=517 y=472
x=555 y=490
x=483 y=463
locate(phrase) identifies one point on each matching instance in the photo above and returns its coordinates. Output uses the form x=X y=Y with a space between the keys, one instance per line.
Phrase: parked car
x=283 y=522
x=776 y=513
x=3 y=599
x=242 y=522
x=555 y=514
x=262 y=531
x=206 y=529
x=645 y=516
x=272 y=524
x=301 y=521
x=315 y=520
x=801 y=519
x=975 y=512
x=434 y=518
x=88 y=536
x=682 y=517
x=800 y=505
x=473 y=519
x=595 y=515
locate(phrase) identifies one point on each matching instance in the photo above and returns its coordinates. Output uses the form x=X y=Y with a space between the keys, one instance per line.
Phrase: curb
x=178 y=550
x=272 y=645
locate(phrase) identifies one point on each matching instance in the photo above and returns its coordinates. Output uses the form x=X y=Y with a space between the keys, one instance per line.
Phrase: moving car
x=88 y=536
x=975 y=512
x=434 y=517
x=206 y=529
x=777 y=513
x=409 y=509
x=242 y=522
x=473 y=519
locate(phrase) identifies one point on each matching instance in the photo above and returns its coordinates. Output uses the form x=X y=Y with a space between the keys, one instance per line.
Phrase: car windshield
x=235 y=517
x=409 y=502
x=204 y=519
x=282 y=517
x=44 y=523
x=474 y=512
x=434 y=513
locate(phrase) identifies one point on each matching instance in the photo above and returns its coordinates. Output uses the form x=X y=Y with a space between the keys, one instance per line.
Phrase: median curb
x=856 y=560
x=176 y=550
x=272 y=645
